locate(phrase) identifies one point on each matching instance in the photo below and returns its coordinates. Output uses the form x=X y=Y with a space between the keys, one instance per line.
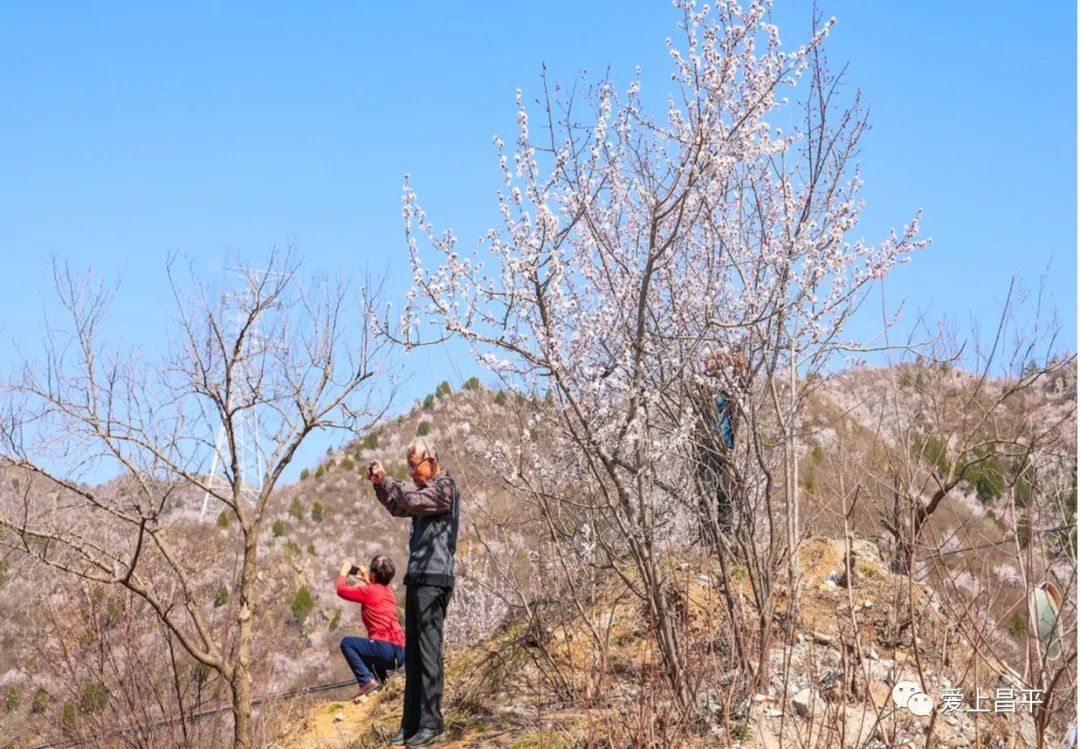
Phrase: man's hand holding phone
x=375 y=472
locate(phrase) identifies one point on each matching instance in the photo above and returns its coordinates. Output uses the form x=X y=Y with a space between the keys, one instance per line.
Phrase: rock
x=830 y=678
x=802 y=702
x=708 y=701
x=867 y=604
x=821 y=638
x=339 y=716
x=957 y=741
x=882 y=669
x=761 y=697
x=774 y=712
x=1027 y=730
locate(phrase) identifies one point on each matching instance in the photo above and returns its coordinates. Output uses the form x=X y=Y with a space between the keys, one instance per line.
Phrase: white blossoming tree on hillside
x=628 y=245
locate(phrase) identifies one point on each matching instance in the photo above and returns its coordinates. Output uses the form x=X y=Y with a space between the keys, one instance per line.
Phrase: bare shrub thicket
x=270 y=361
x=117 y=676
x=979 y=499
x=959 y=459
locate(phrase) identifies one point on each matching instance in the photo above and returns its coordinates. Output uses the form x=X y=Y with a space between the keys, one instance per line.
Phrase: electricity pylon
x=245 y=424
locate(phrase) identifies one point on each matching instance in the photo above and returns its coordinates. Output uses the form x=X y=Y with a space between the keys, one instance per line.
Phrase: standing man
x=432 y=502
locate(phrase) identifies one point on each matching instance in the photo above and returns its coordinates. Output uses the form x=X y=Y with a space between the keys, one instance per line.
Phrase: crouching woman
x=384 y=648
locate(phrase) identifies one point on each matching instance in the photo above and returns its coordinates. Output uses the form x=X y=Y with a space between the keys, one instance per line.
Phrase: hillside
x=842 y=665
x=77 y=659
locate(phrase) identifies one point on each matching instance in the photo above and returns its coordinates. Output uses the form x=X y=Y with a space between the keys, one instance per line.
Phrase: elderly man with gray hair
x=432 y=502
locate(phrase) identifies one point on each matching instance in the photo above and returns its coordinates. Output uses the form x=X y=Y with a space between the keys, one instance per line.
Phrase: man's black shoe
x=424 y=737
x=398 y=738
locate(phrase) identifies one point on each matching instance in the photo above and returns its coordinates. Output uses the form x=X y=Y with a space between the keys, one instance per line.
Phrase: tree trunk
x=243 y=725
x=240 y=683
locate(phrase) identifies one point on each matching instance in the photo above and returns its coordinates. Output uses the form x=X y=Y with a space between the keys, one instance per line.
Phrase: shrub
x=320 y=472
x=347 y=464
x=932 y=450
x=1001 y=524
x=311 y=548
x=817 y=455
x=114 y=611
x=1025 y=481
x=15 y=484
x=305 y=475
x=223 y=519
x=5 y=569
x=302 y=604
x=423 y=429
x=740 y=732
x=94 y=697
x=987 y=477
x=291 y=547
x=472 y=383
x=278 y=529
x=429 y=400
x=443 y=389
x=68 y=716
x=865 y=569
x=11 y=699
x=318 y=512
x=1017 y=625
x=335 y=620
x=1023 y=531
x=40 y=703
x=222 y=596
x=296 y=509
x=370 y=442
x=500 y=398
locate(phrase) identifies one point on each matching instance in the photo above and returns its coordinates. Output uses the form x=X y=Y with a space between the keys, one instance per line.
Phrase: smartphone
x=354 y=571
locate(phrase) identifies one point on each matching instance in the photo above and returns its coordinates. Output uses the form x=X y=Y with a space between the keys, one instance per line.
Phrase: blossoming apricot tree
x=627 y=245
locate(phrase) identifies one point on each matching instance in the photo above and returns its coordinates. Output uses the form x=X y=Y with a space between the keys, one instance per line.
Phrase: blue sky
x=131 y=130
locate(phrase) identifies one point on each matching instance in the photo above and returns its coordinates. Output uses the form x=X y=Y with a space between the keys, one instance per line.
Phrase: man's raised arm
x=434 y=498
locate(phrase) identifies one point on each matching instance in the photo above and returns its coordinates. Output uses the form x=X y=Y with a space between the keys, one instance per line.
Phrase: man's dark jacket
x=434 y=510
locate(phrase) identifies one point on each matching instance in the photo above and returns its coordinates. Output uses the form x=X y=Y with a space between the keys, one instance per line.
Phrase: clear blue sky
x=128 y=130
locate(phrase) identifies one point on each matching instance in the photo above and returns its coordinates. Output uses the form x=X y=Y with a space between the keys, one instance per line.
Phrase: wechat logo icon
x=908 y=694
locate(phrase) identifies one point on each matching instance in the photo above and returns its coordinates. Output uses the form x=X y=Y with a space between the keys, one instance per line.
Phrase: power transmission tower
x=245 y=424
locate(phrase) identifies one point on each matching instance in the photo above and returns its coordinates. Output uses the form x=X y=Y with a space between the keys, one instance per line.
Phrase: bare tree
x=975 y=431
x=275 y=348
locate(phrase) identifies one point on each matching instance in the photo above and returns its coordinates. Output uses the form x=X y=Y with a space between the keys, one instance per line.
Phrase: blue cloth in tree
x=722 y=422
